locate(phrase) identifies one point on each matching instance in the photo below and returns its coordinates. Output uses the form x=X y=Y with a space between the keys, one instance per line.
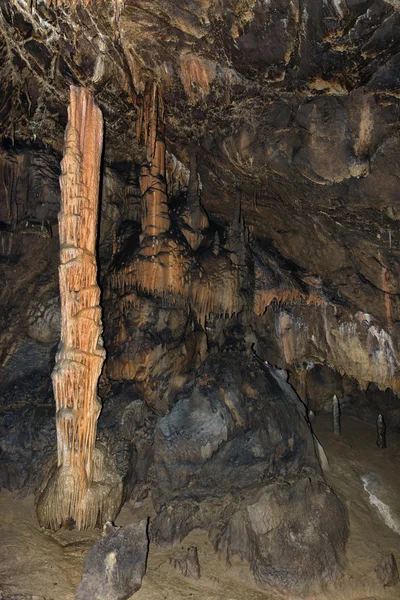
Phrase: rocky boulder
x=236 y=456
x=115 y=566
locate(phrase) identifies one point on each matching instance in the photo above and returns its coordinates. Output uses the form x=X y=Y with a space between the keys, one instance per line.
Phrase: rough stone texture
x=27 y=432
x=4 y=596
x=281 y=125
x=387 y=572
x=188 y=563
x=82 y=489
x=289 y=533
x=267 y=93
x=115 y=566
x=218 y=455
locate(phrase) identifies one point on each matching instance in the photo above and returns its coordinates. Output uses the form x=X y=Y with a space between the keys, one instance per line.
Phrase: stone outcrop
x=387 y=571
x=187 y=563
x=115 y=566
x=237 y=457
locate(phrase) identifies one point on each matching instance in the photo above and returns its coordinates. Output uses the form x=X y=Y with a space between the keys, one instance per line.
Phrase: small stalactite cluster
x=191 y=268
x=275 y=285
x=216 y=289
x=69 y=494
x=265 y=295
x=161 y=264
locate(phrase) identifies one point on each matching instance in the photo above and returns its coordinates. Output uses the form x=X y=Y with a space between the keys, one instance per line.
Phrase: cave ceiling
x=296 y=101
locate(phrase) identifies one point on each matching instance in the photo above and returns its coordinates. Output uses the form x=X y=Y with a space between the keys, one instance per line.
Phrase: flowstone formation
x=81 y=490
x=170 y=283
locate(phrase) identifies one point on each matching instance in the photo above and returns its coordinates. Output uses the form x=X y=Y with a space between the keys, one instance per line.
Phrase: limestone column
x=80 y=356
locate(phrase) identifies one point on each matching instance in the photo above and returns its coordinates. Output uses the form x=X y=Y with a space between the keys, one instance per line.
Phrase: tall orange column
x=81 y=354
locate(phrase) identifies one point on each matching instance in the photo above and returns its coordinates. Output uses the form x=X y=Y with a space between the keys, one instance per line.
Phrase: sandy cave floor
x=49 y=565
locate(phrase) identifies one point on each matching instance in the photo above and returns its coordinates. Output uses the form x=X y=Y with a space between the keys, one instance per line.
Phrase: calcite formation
x=266 y=236
x=160 y=263
x=73 y=492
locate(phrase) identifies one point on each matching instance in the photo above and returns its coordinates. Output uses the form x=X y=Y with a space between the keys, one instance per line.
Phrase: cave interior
x=200 y=299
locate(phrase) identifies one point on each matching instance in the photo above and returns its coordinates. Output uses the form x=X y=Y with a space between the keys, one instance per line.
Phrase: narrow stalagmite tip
x=381 y=431
x=336 y=416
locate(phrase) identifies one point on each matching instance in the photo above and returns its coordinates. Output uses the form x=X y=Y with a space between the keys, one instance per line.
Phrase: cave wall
x=247 y=235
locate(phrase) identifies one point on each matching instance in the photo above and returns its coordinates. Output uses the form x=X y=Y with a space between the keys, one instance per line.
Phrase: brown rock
x=188 y=564
x=387 y=572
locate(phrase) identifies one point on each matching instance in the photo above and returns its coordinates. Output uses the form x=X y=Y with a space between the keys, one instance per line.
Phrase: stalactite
x=216 y=244
x=155 y=218
x=196 y=77
x=264 y=297
x=69 y=493
x=132 y=198
x=161 y=263
x=210 y=282
x=194 y=215
x=386 y=287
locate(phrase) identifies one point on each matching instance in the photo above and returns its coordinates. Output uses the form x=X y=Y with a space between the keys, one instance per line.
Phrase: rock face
x=188 y=564
x=236 y=456
x=387 y=572
x=115 y=566
x=249 y=214
x=290 y=534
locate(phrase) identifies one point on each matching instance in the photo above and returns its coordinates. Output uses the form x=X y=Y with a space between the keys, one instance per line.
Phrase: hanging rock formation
x=76 y=491
x=160 y=263
x=194 y=215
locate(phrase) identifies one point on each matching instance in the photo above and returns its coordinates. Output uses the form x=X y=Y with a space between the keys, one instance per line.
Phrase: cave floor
x=49 y=565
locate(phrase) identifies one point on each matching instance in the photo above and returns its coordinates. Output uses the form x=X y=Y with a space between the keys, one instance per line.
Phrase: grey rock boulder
x=115 y=566
x=292 y=535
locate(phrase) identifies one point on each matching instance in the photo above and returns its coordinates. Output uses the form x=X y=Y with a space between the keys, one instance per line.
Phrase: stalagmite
x=73 y=492
x=381 y=430
x=216 y=244
x=336 y=416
